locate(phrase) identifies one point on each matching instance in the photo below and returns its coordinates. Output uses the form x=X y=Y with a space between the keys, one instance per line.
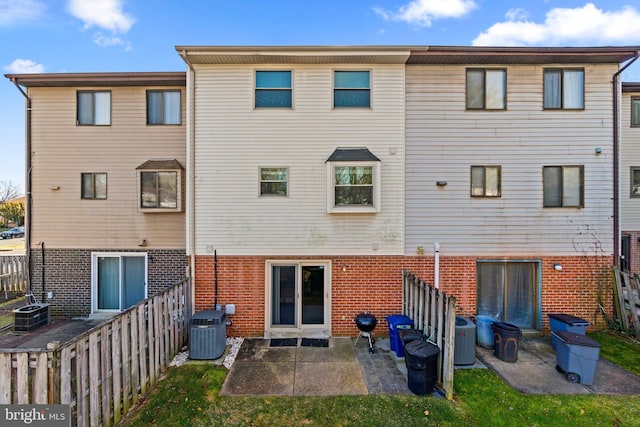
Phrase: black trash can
x=421 y=359
x=408 y=335
x=506 y=339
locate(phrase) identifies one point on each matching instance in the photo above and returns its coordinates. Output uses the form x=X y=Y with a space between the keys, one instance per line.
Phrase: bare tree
x=8 y=191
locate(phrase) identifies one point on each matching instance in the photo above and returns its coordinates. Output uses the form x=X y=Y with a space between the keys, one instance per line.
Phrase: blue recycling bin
x=395 y=322
x=559 y=322
x=484 y=330
x=577 y=356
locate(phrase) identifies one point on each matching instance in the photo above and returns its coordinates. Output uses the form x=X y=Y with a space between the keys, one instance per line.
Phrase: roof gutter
x=616 y=161
x=27 y=199
x=191 y=199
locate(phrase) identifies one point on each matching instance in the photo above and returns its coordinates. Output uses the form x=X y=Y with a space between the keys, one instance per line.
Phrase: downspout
x=616 y=161
x=27 y=199
x=191 y=210
x=436 y=265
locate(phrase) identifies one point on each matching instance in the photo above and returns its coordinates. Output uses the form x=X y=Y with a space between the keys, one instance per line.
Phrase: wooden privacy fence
x=13 y=278
x=433 y=313
x=102 y=373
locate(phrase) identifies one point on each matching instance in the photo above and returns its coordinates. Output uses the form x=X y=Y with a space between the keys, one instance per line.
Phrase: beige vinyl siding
x=62 y=151
x=444 y=140
x=629 y=156
x=233 y=140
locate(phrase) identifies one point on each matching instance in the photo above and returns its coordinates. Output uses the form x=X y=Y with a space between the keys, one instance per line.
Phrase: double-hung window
x=163 y=107
x=563 y=186
x=486 y=89
x=353 y=181
x=273 y=181
x=273 y=89
x=563 y=89
x=351 y=89
x=635 y=112
x=94 y=186
x=160 y=186
x=93 y=108
x=485 y=181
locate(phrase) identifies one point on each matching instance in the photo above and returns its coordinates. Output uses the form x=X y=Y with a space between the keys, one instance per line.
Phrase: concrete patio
x=345 y=369
x=535 y=372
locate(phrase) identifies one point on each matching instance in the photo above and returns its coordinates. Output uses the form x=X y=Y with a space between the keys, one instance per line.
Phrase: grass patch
x=619 y=349
x=487 y=401
x=189 y=396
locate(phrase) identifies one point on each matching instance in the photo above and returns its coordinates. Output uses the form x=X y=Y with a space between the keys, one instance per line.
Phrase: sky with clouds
x=52 y=36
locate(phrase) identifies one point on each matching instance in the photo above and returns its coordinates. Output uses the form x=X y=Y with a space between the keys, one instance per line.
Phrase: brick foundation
x=375 y=284
x=68 y=275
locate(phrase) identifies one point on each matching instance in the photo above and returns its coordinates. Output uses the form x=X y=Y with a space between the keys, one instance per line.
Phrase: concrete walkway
x=260 y=370
x=534 y=372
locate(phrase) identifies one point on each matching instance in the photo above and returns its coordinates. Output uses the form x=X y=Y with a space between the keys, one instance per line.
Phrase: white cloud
x=423 y=12
x=13 y=12
x=517 y=14
x=107 y=41
x=24 y=66
x=583 y=25
x=105 y=14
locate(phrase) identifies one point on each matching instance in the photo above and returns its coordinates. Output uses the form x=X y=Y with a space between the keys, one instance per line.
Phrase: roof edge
x=159 y=78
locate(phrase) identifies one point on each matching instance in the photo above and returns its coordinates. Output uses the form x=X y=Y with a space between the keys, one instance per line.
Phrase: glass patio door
x=508 y=291
x=298 y=296
x=119 y=281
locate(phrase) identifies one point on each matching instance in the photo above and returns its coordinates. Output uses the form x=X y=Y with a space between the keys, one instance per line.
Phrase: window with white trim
x=353 y=181
x=351 y=89
x=273 y=181
x=273 y=89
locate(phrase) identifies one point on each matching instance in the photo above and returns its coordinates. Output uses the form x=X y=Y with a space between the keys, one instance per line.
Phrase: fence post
x=449 y=345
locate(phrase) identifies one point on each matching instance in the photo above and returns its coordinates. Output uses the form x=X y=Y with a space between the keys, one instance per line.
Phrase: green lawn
x=189 y=396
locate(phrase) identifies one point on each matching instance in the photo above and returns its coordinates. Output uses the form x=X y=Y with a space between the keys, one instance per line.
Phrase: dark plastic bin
x=408 y=335
x=577 y=356
x=397 y=322
x=559 y=322
x=506 y=338
x=421 y=359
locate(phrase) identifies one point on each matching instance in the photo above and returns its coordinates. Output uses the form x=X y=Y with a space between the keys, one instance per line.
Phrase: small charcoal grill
x=366 y=323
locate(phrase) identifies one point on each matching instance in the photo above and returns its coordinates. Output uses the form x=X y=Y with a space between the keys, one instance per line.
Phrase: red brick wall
x=374 y=283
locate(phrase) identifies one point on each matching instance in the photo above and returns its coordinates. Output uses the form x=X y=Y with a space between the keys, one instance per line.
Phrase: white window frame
x=333 y=88
x=332 y=208
x=94 y=276
x=283 y=330
x=291 y=89
x=260 y=181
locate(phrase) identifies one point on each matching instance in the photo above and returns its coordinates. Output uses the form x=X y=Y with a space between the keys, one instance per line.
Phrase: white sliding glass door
x=119 y=280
